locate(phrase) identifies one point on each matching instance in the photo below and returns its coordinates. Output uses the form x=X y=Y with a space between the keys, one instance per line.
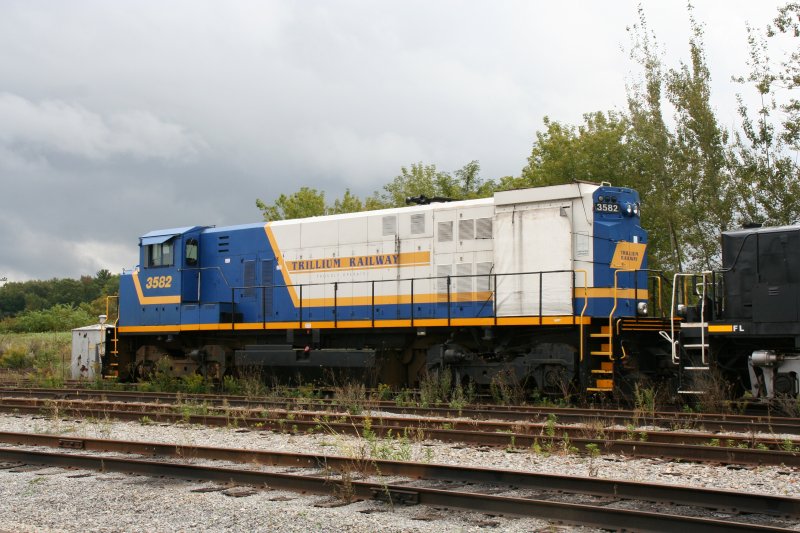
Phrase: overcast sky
x=117 y=118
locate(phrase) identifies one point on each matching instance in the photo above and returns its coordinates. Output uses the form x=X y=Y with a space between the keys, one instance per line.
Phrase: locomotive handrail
x=614 y=309
x=222 y=275
x=585 y=302
x=673 y=341
x=303 y=289
x=115 y=338
x=658 y=292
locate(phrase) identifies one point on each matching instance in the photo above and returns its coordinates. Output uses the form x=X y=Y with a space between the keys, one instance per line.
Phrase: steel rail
x=722 y=500
x=706 y=421
x=539 y=429
x=634 y=448
x=567 y=513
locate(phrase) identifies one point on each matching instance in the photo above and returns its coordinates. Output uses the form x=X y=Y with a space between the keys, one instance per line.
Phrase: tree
x=765 y=150
x=651 y=145
x=593 y=151
x=87 y=293
x=306 y=202
x=416 y=180
x=348 y=204
x=472 y=185
x=426 y=180
x=708 y=200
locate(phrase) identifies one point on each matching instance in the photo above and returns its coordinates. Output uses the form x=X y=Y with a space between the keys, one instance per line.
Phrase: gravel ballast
x=54 y=499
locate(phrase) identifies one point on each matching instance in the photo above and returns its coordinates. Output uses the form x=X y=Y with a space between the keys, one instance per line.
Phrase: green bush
x=230 y=385
x=15 y=357
x=60 y=317
x=196 y=384
x=48 y=354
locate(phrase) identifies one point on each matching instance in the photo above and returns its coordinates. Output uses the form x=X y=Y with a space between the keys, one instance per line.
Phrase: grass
x=437 y=387
x=506 y=389
x=41 y=357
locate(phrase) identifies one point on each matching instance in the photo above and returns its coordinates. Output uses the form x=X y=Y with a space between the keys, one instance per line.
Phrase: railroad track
x=475 y=489
x=763 y=423
x=282 y=417
x=538 y=437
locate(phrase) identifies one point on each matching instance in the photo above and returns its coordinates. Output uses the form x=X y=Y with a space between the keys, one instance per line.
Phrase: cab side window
x=159 y=255
x=191 y=251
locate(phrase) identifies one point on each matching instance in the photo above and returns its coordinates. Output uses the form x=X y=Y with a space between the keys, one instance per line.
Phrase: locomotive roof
x=767 y=229
x=170 y=231
x=361 y=214
x=570 y=190
x=395 y=210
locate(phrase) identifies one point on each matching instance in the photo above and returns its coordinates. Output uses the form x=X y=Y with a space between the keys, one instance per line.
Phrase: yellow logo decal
x=628 y=255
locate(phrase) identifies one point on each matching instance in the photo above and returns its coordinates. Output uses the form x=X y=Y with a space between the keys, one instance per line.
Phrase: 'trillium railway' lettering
x=360 y=262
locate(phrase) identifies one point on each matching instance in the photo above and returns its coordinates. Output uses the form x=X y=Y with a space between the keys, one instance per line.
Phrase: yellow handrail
x=585 y=304
x=611 y=315
x=660 y=303
x=115 y=339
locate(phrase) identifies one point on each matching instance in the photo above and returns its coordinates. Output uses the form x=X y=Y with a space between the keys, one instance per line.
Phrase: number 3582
x=159 y=282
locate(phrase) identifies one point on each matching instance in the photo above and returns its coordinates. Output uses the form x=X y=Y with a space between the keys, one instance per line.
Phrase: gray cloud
x=55 y=126
x=119 y=118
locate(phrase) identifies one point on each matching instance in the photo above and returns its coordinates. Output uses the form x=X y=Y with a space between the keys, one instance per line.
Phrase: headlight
x=629 y=210
x=636 y=209
x=641 y=308
x=681 y=310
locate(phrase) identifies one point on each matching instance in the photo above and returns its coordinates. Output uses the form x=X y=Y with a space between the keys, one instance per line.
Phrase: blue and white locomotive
x=547 y=283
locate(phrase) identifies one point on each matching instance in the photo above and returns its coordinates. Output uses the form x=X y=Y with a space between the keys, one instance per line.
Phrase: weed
x=49 y=380
x=15 y=357
x=595 y=429
x=344 y=489
x=512 y=444
x=434 y=387
x=644 y=400
x=161 y=376
x=252 y=385
x=536 y=447
x=506 y=389
x=593 y=450
x=230 y=385
x=566 y=445
x=428 y=454
x=187 y=410
x=550 y=425
x=196 y=384
x=384 y=392
x=787 y=406
x=351 y=397
x=717 y=392
x=146 y=421
x=404 y=398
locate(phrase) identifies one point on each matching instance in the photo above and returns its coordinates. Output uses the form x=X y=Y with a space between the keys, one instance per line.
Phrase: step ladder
x=603 y=376
x=113 y=356
x=692 y=359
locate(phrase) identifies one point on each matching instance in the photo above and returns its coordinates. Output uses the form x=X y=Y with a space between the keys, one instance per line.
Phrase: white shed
x=88 y=349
